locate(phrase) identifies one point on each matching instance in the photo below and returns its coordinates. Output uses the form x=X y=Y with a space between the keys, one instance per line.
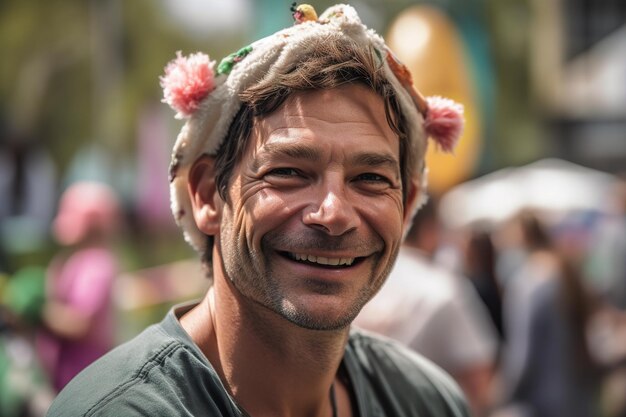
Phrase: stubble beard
x=254 y=278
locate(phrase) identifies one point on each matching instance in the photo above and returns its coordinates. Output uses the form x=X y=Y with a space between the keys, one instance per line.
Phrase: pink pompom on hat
x=187 y=81
x=207 y=97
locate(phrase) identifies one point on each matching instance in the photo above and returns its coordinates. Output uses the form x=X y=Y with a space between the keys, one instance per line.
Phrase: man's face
x=315 y=212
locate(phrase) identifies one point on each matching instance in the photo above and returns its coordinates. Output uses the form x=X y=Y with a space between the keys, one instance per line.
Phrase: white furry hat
x=209 y=98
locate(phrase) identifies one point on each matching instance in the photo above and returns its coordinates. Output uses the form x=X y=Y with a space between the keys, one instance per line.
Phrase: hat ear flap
x=444 y=122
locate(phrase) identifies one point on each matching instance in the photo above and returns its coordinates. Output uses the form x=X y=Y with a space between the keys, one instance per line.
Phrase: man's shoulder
x=112 y=376
x=387 y=355
x=418 y=386
x=149 y=375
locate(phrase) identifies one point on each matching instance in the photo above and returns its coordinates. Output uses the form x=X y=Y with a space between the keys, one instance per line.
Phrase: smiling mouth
x=321 y=260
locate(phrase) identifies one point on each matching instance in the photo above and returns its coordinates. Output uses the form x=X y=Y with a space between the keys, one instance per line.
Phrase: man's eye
x=371 y=177
x=284 y=172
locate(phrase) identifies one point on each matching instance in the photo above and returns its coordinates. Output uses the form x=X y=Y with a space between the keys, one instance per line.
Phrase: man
x=436 y=313
x=295 y=174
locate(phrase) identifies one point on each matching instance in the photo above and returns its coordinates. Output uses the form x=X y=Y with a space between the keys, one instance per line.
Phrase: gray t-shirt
x=161 y=372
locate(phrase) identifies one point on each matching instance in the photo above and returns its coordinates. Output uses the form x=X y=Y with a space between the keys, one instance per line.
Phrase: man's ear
x=205 y=200
x=413 y=198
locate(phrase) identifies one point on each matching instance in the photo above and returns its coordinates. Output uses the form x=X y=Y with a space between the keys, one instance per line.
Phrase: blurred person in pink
x=437 y=313
x=78 y=316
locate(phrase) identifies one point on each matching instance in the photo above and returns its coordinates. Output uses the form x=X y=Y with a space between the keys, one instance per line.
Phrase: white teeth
x=322 y=260
x=346 y=261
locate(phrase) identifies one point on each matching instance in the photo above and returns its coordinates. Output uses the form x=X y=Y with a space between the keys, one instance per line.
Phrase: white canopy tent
x=553 y=186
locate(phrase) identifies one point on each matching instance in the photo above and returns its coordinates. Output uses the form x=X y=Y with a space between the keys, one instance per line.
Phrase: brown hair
x=577 y=303
x=333 y=63
x=535 y=236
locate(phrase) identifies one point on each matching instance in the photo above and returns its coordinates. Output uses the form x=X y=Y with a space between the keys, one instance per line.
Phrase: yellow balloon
x=428 y=43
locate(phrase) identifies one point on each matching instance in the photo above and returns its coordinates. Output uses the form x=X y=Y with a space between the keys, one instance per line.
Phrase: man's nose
x=332 y=212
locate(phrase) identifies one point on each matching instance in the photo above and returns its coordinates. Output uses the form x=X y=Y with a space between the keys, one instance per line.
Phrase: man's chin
x=319 y=320
x=311 y=323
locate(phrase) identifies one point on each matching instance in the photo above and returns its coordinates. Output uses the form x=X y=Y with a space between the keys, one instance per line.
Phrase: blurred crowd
x=58 y=318
x=527 y=313
x=66 y=244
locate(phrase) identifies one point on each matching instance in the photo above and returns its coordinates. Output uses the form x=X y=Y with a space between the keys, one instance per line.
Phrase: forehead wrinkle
x=272 y=150
x=364 y=128
x=375 y=160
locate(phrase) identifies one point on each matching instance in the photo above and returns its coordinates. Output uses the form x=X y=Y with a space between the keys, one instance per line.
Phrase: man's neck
x=269 y=365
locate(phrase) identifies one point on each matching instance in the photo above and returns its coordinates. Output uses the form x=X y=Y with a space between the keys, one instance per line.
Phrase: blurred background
x=543 y=154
